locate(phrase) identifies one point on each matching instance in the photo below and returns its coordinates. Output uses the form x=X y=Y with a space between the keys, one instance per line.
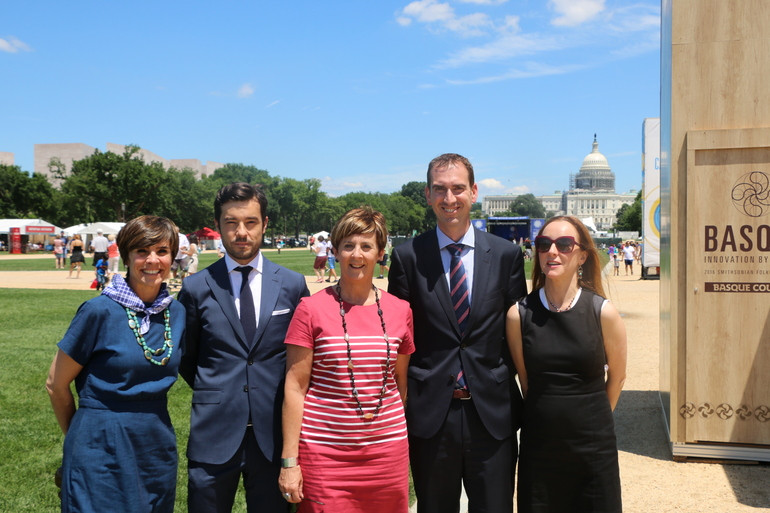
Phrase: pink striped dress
x=351 y=463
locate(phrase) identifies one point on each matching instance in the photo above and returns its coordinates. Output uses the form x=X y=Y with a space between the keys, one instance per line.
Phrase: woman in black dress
x=569 y=347
x=77 y=258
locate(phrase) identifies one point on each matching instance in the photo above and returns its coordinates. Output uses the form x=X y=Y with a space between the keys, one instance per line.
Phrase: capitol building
x=591 y=195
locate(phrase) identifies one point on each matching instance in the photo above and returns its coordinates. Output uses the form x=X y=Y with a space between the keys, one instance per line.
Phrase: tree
x=107 y=186
x=296 y=203
x=476 y=212
x=187 y=201
x=416 y=192
x=230 y=173
x=629 y=217
x=23 y=196
x=405 y=216
x=525 y=205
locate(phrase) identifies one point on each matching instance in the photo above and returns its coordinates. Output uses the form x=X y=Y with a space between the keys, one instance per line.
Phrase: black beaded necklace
x=359 y=407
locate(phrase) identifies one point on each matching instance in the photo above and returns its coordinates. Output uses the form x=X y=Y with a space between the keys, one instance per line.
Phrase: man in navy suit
x=238 y=310
x=463 y=404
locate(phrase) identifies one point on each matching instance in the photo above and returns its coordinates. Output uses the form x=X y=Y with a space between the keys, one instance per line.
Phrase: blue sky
x=360 y=94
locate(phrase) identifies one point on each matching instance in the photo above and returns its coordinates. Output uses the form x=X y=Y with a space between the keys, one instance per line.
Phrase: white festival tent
x=92 y=228
x=37 y=231
x=28 y=226
x=323 y=234
x=88 y=231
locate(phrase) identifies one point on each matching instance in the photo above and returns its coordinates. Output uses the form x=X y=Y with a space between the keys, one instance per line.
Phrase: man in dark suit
x=238 y=310
x=463 y=403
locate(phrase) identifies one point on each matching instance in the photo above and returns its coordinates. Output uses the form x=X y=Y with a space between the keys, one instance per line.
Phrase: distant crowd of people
x=327 y=401
x=629 y=251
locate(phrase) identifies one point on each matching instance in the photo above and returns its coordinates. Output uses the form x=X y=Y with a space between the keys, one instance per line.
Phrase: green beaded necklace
x=149 y=352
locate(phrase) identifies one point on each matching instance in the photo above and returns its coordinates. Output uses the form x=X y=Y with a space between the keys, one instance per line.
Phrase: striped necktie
x=458 y=284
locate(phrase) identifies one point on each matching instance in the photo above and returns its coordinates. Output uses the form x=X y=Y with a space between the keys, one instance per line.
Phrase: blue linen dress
x=120 y=451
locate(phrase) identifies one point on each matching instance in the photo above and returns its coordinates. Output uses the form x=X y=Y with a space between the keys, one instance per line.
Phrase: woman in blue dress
x=122 y=350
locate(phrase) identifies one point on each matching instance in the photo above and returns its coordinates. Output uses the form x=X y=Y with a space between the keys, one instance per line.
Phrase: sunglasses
x=563 y=244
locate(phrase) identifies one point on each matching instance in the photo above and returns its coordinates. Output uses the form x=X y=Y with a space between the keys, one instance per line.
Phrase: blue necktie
x=458 y=284
x=248 y=317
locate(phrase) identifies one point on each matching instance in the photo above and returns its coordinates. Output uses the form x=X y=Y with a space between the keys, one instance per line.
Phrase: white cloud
x=272 y=104
x=519 y=189
x=634 y=18
x=602 y=34
x=13 y=45
x=571 y=13
x=495 y=187
x=442 y=16
x=530 y=70
x=509 y=43
x=245 y=91
x=429 y=11
x=491 y=183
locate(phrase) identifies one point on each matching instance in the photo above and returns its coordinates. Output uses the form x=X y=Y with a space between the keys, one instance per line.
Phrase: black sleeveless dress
x=77 y=255
x=568 y=457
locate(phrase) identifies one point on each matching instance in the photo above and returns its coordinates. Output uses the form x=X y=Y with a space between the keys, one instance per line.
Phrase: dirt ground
x=652 y=481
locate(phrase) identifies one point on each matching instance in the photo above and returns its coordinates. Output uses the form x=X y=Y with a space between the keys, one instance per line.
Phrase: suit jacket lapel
x=271 y=287
x=481 y=265
x=437 y=279
x=219 y=283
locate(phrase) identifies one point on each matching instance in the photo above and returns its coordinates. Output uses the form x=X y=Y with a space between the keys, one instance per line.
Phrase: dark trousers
x=211 y=488
x=463 y=453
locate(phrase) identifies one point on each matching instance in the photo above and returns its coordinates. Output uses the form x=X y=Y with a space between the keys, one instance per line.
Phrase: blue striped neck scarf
x=119 y=291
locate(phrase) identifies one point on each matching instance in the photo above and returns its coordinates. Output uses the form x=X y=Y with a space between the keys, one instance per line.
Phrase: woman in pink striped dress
x=345 y=444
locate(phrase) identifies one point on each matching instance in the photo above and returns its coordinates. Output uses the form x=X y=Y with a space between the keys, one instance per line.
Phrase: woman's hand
x=290 y=484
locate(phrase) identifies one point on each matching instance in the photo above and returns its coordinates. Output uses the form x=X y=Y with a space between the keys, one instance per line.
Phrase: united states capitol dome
x=595 y=173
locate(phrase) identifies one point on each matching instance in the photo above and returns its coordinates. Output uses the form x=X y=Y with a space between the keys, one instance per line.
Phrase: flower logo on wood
x=705 y=410
x=751 y=194
x=744 y=412
x=724 y=411
x=687 y=410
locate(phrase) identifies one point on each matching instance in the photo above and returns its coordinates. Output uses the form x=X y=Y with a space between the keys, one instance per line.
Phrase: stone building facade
x=67 y=153
x=591 y=194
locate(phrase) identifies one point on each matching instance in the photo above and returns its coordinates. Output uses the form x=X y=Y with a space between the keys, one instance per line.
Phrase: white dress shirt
x=255 y=282
x=469 y=241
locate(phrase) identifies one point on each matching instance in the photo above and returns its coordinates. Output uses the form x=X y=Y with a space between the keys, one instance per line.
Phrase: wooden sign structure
x=715 y=228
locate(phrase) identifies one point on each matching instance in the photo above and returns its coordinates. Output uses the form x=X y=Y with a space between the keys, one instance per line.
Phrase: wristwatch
x=288 y=462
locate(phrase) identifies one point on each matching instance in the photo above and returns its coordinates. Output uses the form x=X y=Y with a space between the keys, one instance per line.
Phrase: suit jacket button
x=250 y=362
x=245 y=388
x=463 y=345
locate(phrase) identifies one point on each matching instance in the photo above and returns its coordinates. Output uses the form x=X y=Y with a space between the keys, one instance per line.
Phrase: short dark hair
x=145 y=231
x=448 y=159
x=240 y=191
x=363 y=220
